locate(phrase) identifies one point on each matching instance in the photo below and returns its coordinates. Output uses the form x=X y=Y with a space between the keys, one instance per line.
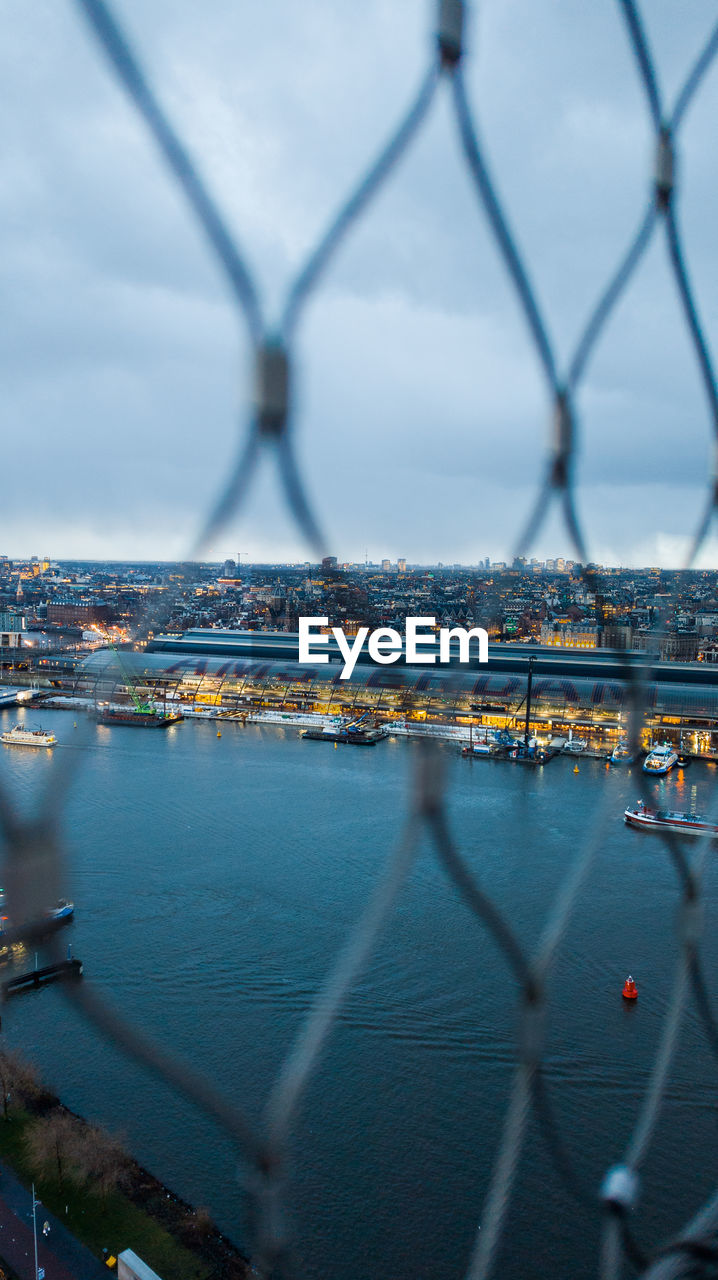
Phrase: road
x=59 y=1253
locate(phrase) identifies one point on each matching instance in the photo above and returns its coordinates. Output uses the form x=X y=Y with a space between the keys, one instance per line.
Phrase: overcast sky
x=421 y=415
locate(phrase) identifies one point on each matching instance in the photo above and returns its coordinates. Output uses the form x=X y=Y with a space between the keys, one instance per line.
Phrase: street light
x=39 y=1271
x=35 y=1203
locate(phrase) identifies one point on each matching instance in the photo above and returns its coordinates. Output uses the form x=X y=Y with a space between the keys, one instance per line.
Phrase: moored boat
x=690 y=824
x=55 y=916
x=494 y=742
x=20 y=736
x=63 y=911
x=149 y=719
x=357 y=732
x=660 y=760
x=623 y=753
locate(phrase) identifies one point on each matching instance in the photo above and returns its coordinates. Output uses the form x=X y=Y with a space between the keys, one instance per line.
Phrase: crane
x=143 y=708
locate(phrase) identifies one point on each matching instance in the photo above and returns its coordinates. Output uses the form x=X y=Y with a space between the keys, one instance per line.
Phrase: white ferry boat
x=623 y=753
x=660 y=760
x=19 y=736
x=690 y=824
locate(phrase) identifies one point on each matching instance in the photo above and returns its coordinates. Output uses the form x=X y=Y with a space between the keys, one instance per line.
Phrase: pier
x=64 y=970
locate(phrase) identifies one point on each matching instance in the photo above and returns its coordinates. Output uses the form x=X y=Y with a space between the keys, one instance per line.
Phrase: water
x=216 y=879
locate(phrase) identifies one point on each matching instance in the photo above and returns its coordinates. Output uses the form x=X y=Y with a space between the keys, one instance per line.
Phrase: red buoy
x=630 y=990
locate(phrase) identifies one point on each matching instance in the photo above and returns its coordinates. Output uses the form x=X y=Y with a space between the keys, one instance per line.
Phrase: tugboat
x=690 y=824
x=660 y=760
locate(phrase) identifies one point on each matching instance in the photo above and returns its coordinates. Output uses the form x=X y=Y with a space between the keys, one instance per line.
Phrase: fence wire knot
x=690 y=921
x=620 y=1188
x=665 y=167
x=429 y=779
x=265 y=1186
x=450 y=32
x=562 y=439
x=272 y=387
x=532 y=1025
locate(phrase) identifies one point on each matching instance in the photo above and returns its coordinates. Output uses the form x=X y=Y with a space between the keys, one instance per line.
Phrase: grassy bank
x=168 y=1235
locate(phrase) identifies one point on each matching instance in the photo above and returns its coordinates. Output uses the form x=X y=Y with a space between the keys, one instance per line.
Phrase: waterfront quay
x=248 y=675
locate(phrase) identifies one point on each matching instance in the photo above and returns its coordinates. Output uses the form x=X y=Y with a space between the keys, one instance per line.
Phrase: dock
x=64 y=970
x=18 y=695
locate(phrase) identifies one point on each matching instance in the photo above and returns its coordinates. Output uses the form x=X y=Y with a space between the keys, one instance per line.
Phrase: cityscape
x=51 y=606
x=160 y=642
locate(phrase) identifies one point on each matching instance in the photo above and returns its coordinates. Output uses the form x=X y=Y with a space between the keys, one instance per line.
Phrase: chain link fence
x=35 y=860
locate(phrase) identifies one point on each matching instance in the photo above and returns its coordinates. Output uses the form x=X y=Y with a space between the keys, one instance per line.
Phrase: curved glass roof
x=232 y=675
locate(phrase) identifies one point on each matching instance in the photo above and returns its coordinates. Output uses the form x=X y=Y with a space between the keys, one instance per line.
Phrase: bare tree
x=60 y=1145
x=51 y=1143
x=18 y=1080
x=101 y=1161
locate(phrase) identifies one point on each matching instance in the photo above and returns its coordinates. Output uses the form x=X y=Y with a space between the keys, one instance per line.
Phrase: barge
x=688 y=824
x=150 y=719
x=354 y=732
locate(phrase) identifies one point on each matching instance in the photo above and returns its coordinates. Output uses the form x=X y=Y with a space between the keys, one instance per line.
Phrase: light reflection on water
x=214 y=882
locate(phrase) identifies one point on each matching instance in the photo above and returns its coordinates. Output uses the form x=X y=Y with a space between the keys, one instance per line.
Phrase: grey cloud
x=421 y=411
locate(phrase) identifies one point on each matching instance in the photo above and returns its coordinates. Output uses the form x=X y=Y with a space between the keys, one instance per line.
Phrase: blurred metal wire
x=34 y=859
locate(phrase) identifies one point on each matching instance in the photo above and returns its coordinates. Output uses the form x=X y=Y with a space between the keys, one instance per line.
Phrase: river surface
x=215 y=880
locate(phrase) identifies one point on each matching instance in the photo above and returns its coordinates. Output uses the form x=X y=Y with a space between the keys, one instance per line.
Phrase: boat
x=690 y=824
x=52 y=918
x=19 y=736
x=575 y=746
x=528 y=753
x=354 y=732
x=623 y=753
x=660 y=760
x=150 y=719
x=63 y=911
x=495 y=742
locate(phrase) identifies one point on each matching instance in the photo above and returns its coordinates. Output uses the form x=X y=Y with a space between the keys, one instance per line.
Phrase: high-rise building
x=385 y=566
x=401 y=566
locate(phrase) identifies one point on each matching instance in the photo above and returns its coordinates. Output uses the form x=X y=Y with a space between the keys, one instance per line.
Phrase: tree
x=18 y=1080
x=60 y=1145
x=101 y=1161
x=51 y=1144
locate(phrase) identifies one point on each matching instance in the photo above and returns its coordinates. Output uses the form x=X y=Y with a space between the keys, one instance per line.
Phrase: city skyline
x=402 y=564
